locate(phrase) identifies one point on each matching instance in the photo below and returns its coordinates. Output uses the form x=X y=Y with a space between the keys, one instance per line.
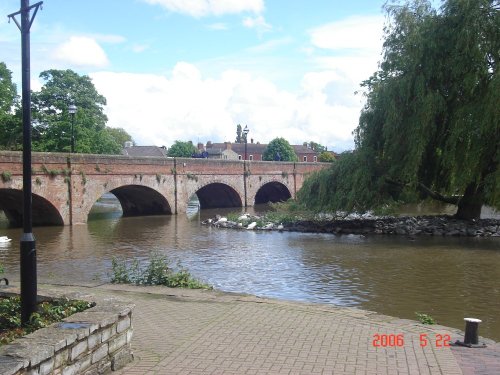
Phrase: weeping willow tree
x=431 y=123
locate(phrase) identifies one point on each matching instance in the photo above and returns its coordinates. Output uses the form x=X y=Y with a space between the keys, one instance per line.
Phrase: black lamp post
x=72 y=111
x=28 y=243
x=245 y=132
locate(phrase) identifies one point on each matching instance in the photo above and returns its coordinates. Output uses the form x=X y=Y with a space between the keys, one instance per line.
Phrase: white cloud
x=358 y=32
x=81 y=51
x=202 y=8
x=350 y=54
x=186 y=106
x=108 y=38
x=270 y=45
x=258 y=23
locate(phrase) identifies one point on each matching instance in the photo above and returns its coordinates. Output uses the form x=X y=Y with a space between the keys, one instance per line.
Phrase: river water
x=448 y=278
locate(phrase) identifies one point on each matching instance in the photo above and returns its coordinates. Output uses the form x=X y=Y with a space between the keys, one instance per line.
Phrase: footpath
x=179 y=331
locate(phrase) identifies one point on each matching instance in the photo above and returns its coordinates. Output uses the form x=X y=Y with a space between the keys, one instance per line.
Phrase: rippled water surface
x=448 y=278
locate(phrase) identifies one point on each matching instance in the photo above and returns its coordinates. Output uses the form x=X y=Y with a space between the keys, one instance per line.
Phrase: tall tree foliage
x=10 y=116
x=279 y=149
x=239 y=136
x=430 y=126
x=52 y=122
x=8 y=90
x=182 y=149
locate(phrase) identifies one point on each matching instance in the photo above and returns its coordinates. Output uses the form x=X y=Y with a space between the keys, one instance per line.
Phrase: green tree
x=326 y=157
x=52 y=122
x=8 y=91
x=279 y=147
x=182 y=149
x=430 y=126
x=239 y=137
x=315 y=146
x=119 y=135
x=10 y=116
x=351 y=184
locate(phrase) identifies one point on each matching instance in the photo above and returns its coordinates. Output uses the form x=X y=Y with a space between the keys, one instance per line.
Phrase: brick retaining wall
x=95 y=341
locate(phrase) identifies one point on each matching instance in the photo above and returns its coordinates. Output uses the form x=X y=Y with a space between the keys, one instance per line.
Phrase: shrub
x=425 y=318
x=157 y=271
x=6 y=176
x=46 y=314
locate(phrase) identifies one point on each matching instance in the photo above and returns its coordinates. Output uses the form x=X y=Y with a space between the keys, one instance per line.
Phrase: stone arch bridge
x=65 y=187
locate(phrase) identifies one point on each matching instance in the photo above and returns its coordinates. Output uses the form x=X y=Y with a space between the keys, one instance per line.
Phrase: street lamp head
x=72 y=109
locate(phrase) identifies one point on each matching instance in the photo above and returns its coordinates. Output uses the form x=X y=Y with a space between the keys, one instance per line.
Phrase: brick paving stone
x=209 y=332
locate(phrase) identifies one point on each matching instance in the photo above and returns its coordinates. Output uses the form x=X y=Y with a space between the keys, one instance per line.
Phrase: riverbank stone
x=442 y=225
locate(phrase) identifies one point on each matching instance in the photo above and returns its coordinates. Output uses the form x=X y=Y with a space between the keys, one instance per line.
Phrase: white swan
x=252 y=225
x=4 y=239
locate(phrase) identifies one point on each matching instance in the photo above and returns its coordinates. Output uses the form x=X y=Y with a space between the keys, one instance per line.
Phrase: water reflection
x=449 y=278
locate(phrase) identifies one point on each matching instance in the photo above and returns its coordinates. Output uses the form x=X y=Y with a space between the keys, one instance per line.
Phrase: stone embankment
x=368 y=224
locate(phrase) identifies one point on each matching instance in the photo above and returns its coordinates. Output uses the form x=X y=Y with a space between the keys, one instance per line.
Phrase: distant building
x=236 y=151
x=305 y=154
x=138 y=151
x=225 y=151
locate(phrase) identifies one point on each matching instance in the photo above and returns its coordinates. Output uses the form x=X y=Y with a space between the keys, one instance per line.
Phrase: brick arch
x=217 y=194
x=272 y=191
x=136 y=198
x=44 y=212
x=257 y=182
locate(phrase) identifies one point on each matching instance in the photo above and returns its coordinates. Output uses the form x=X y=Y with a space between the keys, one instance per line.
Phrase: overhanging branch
x=433 y=194
x=438 y=196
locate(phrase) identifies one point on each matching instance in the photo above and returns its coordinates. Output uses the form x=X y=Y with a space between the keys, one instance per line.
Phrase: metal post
x=72 y=111
x=72 y=133
x=245 y=132
x=245 y=166
x=28 y=243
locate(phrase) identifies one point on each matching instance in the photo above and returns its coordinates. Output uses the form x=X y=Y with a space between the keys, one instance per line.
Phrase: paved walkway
x=207 y=332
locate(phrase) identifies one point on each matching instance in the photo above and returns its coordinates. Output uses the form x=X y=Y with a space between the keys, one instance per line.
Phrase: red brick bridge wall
x=65 y=187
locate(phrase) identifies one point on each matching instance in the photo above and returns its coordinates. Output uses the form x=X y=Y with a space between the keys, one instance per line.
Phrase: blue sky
x=193 y=69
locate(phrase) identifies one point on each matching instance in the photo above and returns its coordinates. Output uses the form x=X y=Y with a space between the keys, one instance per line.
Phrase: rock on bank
x=410 y=226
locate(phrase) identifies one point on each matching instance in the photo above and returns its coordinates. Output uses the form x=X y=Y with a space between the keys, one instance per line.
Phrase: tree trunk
x=469 y=206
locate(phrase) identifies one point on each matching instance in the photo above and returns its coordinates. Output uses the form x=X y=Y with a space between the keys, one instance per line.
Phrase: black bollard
x=471 y=329
x=471 y=337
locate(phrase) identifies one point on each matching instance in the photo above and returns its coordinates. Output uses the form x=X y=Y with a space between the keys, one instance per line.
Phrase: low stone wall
x=95 y=341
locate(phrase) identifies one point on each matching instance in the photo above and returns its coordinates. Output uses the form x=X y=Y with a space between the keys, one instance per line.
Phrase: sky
x=194 y=69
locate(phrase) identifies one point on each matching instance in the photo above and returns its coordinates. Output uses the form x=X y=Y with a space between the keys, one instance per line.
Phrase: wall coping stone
x=34 y=351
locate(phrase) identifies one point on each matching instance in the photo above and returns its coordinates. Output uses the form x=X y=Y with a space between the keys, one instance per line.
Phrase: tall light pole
x=72 y=111
x=245 y=132
x=28 y=243
x=245 y=171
